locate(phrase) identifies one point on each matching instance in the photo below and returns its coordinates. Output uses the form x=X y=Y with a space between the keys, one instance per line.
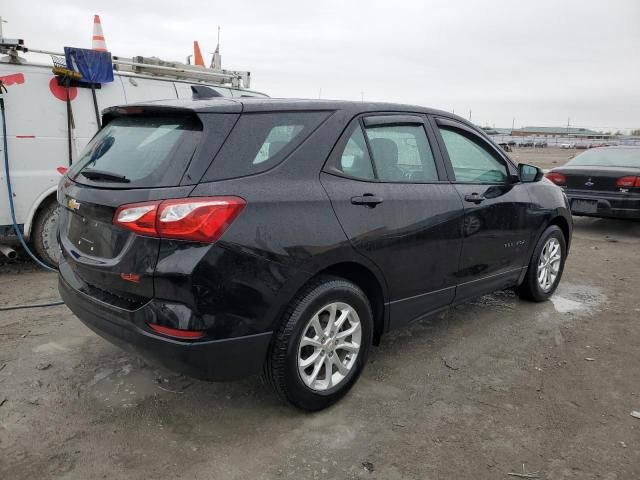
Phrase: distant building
x=558 y=132
x=496 y=131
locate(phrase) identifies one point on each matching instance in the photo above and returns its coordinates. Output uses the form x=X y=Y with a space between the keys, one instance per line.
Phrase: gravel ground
x=491 y=387
x=545 y=158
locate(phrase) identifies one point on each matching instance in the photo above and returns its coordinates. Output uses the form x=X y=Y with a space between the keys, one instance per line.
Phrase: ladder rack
x=146 y=66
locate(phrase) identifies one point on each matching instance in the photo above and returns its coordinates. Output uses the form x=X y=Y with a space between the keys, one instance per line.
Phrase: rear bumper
x=220 y=359
x=609 y=205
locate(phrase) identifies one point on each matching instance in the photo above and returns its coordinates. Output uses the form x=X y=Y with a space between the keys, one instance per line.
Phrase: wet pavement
x=473 y=393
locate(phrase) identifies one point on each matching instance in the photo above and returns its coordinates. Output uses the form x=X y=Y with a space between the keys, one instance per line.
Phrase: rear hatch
x=140 y=155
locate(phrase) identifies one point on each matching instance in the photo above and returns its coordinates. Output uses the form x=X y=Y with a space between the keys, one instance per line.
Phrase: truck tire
x=44 y=232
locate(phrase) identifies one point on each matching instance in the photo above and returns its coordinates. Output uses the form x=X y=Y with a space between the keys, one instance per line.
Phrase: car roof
x=229 y=105
x=619 y=147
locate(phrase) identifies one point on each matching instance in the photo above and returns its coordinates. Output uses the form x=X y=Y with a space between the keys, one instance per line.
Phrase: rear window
x=261 y=141
x=139 y=151
x=608 y=157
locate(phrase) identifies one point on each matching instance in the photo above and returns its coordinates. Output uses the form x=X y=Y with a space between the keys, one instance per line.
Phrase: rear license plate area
x=92 y=237
x=584 y=206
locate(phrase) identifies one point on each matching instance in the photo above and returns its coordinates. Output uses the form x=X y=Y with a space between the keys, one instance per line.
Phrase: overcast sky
x=539 y=62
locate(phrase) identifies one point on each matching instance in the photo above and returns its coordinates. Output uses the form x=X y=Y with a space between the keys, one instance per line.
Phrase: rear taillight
x=627 y=182
x=138 y=217
x=201 y=219
x=557 y=178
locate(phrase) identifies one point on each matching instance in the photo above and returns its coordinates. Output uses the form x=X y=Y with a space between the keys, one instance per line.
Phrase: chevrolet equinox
x=224 y=237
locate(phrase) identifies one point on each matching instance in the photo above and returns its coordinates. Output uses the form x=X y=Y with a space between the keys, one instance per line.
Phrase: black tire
x=530 y=288
x=281 y=368
x=43 y=234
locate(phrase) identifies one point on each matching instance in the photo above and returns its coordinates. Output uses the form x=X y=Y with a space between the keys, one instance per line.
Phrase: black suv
x=221 y=237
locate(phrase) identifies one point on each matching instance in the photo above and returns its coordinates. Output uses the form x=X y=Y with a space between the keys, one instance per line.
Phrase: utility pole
x=469 y=115
x=1 y=22
x=362 y=95
x=568 y=122
x=513 y=124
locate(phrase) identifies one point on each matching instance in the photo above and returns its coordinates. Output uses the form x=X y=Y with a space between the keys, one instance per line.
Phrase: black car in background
x=602 y=182
x=222 y=237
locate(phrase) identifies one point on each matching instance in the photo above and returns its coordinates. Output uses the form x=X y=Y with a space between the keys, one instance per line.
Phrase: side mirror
x=529 y=173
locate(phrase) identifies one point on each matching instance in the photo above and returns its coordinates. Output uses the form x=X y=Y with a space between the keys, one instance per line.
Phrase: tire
x=282 y=368
x=531 y=288
x=43 y=234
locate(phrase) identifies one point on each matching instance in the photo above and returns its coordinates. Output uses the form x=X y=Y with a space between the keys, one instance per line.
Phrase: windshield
x=608 y=157
x=140 y=150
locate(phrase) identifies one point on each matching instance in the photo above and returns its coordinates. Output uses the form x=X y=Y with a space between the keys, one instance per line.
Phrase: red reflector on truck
x=176 y=333
x=198 y=219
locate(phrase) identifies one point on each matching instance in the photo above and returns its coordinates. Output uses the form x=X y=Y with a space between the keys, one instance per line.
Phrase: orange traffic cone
x=197 y=55
x=98 y=37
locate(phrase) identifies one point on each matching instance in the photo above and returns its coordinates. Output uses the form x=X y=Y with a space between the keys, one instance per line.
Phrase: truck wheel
x=43 y=234
x=546 y=266
x=322 y=345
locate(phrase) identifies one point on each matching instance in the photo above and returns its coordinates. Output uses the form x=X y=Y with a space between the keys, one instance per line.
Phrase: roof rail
x=146 y=65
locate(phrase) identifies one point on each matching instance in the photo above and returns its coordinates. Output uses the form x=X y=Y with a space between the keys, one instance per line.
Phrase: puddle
x=501 y=300
x=127 y=386
x=566 y=305
x=572 y=298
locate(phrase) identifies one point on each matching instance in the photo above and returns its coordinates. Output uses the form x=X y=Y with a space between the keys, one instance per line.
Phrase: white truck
x=37 y=120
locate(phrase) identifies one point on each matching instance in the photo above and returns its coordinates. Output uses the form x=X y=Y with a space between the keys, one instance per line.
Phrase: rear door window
x=401 y=153
x=260 y=141
x=144 y=151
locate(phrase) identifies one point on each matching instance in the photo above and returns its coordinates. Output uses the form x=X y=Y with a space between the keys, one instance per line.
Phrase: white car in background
x=37 y=137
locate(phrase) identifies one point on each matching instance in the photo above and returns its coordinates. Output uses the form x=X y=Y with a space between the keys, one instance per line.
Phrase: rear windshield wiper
x=93 y=174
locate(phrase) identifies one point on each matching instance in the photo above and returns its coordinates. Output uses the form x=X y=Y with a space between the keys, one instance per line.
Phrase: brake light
x=557 y=178
x=626 y=182
x=177 y=333
x=138 y=217
x=201 y=219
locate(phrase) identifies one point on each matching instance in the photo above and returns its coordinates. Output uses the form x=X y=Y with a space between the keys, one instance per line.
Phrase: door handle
x=368 y=199
x=474 y=198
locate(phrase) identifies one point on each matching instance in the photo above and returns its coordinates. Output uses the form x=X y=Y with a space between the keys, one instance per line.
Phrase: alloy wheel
x=549 y=264
x=329 y=346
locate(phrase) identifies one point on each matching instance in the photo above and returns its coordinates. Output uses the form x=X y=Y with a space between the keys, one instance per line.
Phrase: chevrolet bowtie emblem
x=73 y=204
x=589 y=183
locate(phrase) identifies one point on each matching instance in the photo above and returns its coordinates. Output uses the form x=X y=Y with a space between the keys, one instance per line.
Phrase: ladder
x=152 y=66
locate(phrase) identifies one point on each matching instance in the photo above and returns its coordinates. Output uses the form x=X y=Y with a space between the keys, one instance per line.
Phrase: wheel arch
x=46 y=197
x=366 y=279
x=561 y=222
